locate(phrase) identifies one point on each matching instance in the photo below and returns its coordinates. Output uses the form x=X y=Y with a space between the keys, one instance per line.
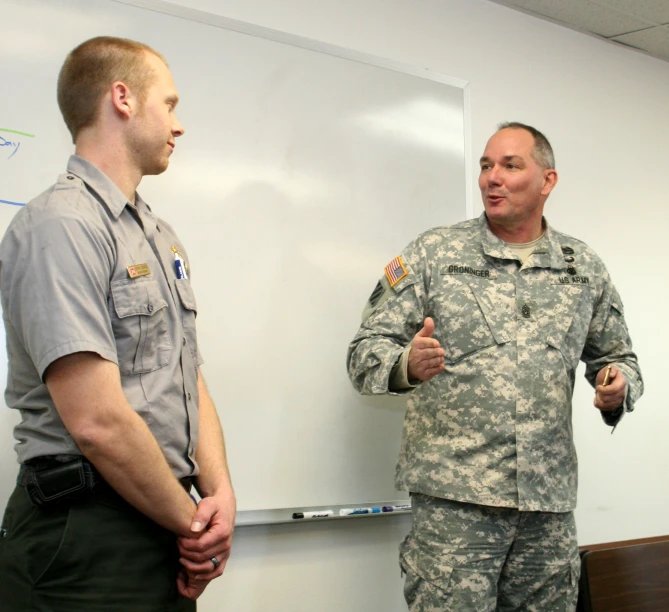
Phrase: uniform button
x=183 y=342
x=189 y=397
x=569 y=259
x=70 y=178
x=526 y=311
x=567 y=250
x=571 y=270
x=150 y=308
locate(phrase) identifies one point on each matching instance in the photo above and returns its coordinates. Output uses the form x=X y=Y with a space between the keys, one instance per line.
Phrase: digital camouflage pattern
x=495 y=427
x=456 y=553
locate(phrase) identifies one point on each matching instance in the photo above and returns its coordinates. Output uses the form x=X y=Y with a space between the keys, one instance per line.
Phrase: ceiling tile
x=653 y=40
x=585 y=15
x=654 y=10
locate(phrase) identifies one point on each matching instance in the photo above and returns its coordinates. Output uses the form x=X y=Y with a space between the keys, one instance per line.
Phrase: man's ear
x=550 y=180
x=122 y=99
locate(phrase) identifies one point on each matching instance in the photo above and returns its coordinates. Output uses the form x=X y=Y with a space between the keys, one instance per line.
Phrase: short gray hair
x=543 y=152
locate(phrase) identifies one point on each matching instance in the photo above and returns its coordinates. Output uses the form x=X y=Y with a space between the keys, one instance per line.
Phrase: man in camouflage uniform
x=483 y=323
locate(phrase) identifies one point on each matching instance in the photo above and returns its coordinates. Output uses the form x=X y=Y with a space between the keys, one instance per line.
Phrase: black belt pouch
x=55 y=484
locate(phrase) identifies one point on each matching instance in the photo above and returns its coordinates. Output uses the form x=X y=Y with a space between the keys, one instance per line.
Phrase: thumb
x=428 y=328
x=205 y=511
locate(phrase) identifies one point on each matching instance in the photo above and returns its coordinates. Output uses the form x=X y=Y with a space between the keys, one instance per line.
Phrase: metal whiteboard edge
x=191 y=14
x=249 y=518
x=469 y=165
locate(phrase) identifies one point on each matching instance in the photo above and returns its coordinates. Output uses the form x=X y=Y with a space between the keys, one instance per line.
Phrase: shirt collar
x=549 y=254
x=100 y=183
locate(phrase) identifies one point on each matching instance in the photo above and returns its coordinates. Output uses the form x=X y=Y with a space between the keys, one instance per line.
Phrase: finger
x=421 y=342
x=206 y=569
x=218 y=548
x=432 y=372
x=428 y=328
x=428 y=353
x=616 y=386
x=610 y=402
x=206 y=509
x=206 y=546
x=187 y=588
x=430 y=364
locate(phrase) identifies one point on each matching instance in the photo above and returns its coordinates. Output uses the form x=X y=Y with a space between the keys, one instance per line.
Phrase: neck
x=520 y=233
x=111 y=156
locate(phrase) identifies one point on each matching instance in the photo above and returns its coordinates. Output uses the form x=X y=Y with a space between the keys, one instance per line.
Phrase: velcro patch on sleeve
x=395 y=271
x=376 y=294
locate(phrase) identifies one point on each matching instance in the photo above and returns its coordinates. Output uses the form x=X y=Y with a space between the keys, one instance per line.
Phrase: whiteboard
x=304 y=169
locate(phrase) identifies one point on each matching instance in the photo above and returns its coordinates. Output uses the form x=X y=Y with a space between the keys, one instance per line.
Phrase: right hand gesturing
x=426 y=357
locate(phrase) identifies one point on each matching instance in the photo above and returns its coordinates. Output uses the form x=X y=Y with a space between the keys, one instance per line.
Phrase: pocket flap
x=557 y=331
x=137 y=297
x=186 y=294
x=494 y=316
x=427 y=567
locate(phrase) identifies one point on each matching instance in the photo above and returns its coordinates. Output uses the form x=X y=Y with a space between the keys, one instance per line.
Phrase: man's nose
x=494 y=176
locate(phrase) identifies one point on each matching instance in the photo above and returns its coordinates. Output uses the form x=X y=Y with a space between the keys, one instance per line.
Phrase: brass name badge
x=138 y=270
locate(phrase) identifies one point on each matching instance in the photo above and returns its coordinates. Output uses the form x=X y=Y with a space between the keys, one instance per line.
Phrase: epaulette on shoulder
x=465 y=225
x=68 y=181
x=567 y=241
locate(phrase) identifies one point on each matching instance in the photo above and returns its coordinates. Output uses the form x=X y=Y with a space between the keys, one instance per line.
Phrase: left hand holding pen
x=213 y=525
x=611 y=396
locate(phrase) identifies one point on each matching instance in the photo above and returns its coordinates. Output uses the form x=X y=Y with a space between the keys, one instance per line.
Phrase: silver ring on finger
x=216 y=562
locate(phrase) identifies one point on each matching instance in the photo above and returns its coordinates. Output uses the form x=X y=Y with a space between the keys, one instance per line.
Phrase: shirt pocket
x=140 y=325
x=188 y=315
x=568 y=326
x=464 y=322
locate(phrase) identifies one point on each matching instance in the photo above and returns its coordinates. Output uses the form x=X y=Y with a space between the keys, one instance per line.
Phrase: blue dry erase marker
x=354 y=511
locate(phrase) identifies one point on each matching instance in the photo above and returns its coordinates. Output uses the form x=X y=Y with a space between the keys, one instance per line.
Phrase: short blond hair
x=91 y=68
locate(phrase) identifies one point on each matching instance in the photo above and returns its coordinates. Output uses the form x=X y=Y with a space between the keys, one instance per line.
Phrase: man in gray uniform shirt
x=484 y=324
x=117 y=423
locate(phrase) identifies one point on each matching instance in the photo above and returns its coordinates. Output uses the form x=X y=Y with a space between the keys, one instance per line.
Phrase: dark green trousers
x=98 y=554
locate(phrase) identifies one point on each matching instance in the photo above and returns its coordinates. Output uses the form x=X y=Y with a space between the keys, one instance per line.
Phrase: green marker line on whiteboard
x=17 y=132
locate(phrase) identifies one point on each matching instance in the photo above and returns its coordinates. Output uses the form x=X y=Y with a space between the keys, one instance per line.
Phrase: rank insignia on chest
x=137 y=270
x=395 y=271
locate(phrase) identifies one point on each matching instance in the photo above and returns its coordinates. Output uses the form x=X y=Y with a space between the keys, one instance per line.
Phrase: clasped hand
x=212 y=528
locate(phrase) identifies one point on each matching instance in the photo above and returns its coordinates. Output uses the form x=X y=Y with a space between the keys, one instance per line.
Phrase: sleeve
x=394 y=314
x=399 y=375
x=608 y=342
x=55 y=283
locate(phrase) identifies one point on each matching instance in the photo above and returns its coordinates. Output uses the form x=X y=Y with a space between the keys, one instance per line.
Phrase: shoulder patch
x=395 y=271
x=376 y=294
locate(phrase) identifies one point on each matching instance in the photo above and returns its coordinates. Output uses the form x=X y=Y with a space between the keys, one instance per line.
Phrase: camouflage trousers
x=470 y=558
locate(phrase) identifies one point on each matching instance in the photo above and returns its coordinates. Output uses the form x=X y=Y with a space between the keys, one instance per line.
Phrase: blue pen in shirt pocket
x=179 y=264
x=179 y=267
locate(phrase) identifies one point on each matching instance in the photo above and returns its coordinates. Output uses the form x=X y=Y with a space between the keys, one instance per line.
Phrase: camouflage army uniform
x=494 y=428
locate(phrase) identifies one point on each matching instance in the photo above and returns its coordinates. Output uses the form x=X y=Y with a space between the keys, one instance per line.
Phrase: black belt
x=50 y=480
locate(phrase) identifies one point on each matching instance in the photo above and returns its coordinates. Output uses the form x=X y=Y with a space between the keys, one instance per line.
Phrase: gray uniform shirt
x=66 y=288
x=495 y=427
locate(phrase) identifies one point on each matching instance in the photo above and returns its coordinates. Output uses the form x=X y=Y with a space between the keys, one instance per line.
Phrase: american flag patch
x=395 y=271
